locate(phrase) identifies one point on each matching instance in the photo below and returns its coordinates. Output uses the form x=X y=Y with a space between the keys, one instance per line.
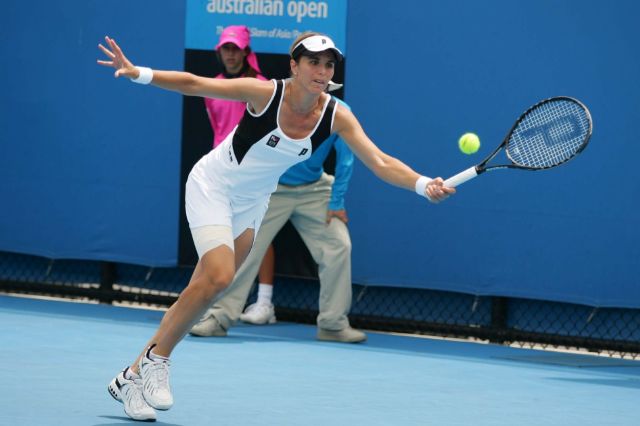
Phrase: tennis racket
x=548 y=134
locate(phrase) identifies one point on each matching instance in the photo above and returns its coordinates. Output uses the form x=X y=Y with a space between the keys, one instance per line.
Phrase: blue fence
x=89 y=166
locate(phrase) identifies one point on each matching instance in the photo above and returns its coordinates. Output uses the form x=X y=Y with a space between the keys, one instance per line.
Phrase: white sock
x=155 y=357
x=265 y=291
x=130 y=375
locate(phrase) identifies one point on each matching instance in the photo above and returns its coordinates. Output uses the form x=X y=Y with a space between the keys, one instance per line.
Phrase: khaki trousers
x=329 y=245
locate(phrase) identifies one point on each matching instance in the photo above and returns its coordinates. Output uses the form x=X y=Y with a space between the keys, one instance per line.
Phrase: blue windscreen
x=90 y=165
x=438 y=70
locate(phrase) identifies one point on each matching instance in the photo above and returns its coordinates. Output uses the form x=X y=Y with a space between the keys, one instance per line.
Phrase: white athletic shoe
x=259 y=313
x=129 y=393
x=208 y=326
x=155 y=382
x=346 y=335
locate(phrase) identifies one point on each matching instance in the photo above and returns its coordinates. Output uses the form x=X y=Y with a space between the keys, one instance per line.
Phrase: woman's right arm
x=250 y=90
x=386 y=167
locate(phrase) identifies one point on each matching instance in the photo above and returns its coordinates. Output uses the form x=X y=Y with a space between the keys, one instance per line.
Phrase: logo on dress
x=273 y=141
x=303 y=152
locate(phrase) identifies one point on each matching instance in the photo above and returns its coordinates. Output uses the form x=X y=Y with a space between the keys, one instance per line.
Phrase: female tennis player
x=228 y=190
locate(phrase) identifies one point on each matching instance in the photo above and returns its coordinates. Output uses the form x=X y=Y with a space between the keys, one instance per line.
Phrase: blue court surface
x=58 y=357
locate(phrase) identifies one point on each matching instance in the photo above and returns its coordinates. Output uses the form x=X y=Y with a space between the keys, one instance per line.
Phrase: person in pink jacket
x=235 y=54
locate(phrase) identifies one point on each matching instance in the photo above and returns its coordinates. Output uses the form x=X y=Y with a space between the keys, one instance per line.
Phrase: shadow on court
x=620 y=383
x=127 y=420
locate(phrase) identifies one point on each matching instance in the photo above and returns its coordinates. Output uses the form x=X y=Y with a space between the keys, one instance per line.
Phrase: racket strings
x=549 y=134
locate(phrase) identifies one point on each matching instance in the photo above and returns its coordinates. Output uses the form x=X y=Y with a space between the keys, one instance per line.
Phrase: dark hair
x=247 y=69
x=250 y=72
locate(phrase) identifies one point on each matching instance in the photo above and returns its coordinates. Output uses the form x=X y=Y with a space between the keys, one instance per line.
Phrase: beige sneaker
x=259 y=314
x=208 y=327
x=346 y=335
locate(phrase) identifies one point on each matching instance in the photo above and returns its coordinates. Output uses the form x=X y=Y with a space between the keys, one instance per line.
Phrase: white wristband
x=421 y=185
x=145 y=77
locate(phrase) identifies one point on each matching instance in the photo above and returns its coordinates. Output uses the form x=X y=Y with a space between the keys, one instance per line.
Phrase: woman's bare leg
x=213 y=273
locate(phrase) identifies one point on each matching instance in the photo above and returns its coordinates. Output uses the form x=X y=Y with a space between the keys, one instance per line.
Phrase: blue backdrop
x=89 y=166
x=440 y=69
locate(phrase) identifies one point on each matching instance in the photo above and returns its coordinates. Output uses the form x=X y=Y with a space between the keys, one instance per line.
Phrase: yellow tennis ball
x=469 y=143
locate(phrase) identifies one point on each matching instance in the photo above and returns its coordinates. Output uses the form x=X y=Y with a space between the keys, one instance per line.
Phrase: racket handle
x=461 y=177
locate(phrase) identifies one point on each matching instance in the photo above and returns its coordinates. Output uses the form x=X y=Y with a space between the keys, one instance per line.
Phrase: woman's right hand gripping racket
x=550 y=133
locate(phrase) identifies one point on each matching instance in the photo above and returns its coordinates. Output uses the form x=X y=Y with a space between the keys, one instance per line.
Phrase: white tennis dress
x=231 y=185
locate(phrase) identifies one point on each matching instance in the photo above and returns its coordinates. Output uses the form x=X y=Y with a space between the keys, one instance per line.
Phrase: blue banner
x=274 y=24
